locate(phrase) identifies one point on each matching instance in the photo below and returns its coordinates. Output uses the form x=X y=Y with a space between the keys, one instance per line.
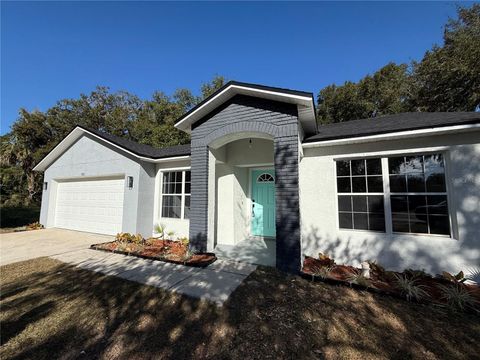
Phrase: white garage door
x=90 y=205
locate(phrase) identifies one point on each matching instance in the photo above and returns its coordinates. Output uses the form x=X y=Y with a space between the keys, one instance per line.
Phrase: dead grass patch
x=52 y=310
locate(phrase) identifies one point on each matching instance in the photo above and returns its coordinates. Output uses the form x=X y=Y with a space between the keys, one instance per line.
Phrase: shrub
x=321 y=271
x=416 y=274
x=325 y=259
x=459 y=278
x=184 y=241
x=126 y=238
x=34 y=226
x=410 y=288
x=359 y=279
x=376 y=268
x=15 y=216
x=457 y=297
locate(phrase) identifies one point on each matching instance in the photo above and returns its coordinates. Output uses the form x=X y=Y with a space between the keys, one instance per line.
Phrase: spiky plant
x=160 y=230
x=473 y=274
x=322 y=272
x=410 y=288
x=457 y=297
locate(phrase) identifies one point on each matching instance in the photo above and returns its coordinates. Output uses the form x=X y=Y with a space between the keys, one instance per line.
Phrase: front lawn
x=52 y=310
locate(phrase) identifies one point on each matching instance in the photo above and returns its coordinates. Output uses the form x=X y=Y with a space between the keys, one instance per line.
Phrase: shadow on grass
x=53 y=310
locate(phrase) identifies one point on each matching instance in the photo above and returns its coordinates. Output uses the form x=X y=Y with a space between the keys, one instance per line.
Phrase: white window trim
x=182 y=195
x=386 y=191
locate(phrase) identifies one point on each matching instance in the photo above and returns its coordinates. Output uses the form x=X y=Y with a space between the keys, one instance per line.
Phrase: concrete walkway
x=214 y=283
x=252 y=251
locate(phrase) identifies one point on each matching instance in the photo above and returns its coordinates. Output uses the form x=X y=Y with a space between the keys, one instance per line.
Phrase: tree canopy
x=121 y=113
x=447 y=78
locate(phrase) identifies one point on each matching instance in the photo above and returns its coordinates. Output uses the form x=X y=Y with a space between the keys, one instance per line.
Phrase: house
x=263 y=182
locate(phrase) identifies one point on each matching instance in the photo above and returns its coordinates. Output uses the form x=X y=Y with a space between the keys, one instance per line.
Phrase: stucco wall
x=244 y=153
x=318 y=208
x=241 y=203
x=231 y=204
x=88 y=157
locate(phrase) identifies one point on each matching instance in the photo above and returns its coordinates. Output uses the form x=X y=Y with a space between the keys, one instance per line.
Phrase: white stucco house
x=262 y=182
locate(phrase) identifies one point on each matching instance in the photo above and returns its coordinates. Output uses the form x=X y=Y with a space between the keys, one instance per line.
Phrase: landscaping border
x=316 y=278
x=374 y=290
x=157 y=258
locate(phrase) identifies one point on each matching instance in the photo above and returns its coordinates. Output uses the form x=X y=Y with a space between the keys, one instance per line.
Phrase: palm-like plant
x=473 y=274
x=457 y=297
x=160 y=230
x=410 y=288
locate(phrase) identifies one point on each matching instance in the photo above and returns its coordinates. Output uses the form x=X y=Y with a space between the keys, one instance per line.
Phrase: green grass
x=50 y=310
x=15 y=216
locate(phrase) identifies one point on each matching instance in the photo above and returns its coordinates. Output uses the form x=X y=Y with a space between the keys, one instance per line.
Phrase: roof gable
x=303 y=100
x=140 y=151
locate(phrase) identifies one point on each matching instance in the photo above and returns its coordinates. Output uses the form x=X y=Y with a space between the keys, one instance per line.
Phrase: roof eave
x=431 y=131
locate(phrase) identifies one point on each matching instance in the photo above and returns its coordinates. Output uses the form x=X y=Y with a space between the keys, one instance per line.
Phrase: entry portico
x=242 y=116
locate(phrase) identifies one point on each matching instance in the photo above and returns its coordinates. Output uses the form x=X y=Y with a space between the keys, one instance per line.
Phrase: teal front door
x=263 y=202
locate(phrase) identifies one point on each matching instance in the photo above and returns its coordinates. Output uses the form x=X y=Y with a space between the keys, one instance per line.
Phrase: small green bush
x=15 y=216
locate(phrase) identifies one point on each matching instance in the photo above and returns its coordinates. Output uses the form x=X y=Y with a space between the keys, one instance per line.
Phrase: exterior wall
x=179 y=226
x=88 y=157
x=241 y=203
x=232 y=222
x=247 y=115
x=318 y=207
x=225 y=210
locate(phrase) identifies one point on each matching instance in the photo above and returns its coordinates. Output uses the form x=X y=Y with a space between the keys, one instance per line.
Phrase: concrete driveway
x=214 y=283
x=27 y=245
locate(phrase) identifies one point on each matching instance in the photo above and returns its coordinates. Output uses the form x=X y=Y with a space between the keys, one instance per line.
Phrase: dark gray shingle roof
x=142 y=149
x=392 y=123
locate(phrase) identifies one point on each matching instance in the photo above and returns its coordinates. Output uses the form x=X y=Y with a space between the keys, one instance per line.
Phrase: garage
x=92 y=205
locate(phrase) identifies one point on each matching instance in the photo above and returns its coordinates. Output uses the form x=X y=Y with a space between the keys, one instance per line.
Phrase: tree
x=448 y=77
x=120 y=113
x=22 y=149
x=210 y=87
x=387 y=91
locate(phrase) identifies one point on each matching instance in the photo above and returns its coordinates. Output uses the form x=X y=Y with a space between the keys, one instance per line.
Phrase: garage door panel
x=93 y=206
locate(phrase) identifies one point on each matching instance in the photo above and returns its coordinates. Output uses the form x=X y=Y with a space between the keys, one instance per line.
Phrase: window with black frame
x=418 y=194
x=360 y=194
x=176 y=194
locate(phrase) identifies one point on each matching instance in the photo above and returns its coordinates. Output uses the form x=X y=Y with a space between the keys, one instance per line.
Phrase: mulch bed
x=174 y=252
x=382 y=282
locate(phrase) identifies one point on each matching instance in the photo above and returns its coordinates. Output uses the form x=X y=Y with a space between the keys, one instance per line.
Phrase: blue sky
x=55 y=50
